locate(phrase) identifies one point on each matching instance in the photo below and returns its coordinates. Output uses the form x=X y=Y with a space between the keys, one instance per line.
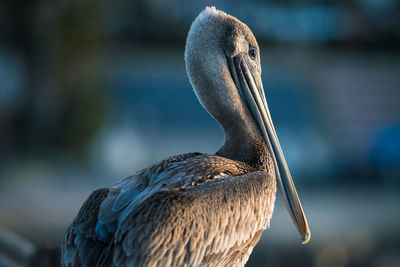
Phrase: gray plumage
x=192 y=209
x=197 y=209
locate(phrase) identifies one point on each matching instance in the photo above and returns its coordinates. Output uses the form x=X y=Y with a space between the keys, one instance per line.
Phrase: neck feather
x=248 y=147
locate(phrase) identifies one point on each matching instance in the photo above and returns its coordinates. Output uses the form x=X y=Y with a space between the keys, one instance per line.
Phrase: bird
x=198 y=209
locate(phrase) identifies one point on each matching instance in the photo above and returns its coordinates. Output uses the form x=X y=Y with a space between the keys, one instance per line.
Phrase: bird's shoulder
x=216 y=223
x=192 y=196
x=186 y=169
x=204 y=209
x=173 y=173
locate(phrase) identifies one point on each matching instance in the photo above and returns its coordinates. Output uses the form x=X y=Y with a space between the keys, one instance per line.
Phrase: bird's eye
x=252 y=52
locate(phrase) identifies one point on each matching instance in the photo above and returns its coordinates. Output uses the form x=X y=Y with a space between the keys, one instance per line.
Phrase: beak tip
x=306 y=237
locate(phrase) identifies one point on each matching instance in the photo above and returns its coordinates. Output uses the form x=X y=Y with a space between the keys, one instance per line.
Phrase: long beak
x=251 y=91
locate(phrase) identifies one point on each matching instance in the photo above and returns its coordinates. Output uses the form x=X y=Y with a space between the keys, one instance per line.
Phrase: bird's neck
x=248 y=147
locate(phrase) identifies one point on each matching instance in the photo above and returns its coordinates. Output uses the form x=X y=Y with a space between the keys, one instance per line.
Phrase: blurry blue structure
x=385 y=153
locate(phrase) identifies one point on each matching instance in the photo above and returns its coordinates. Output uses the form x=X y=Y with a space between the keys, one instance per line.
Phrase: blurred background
x=91 y=91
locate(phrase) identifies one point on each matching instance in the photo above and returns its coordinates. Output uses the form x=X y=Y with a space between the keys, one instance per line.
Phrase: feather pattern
x=188 y=210
x=80 y=246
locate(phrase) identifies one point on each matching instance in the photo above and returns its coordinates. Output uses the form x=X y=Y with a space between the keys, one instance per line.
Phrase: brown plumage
x=184 y=216
x=197 y=209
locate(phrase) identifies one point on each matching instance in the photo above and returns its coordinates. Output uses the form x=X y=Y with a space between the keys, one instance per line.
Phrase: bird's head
x=223 y=64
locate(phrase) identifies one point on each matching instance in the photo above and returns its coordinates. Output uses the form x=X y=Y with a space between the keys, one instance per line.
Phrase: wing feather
x=188 y=210
x=210 y=224
x=80 y=246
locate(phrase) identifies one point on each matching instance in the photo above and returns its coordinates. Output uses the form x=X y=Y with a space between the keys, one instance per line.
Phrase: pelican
x=198 y=209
